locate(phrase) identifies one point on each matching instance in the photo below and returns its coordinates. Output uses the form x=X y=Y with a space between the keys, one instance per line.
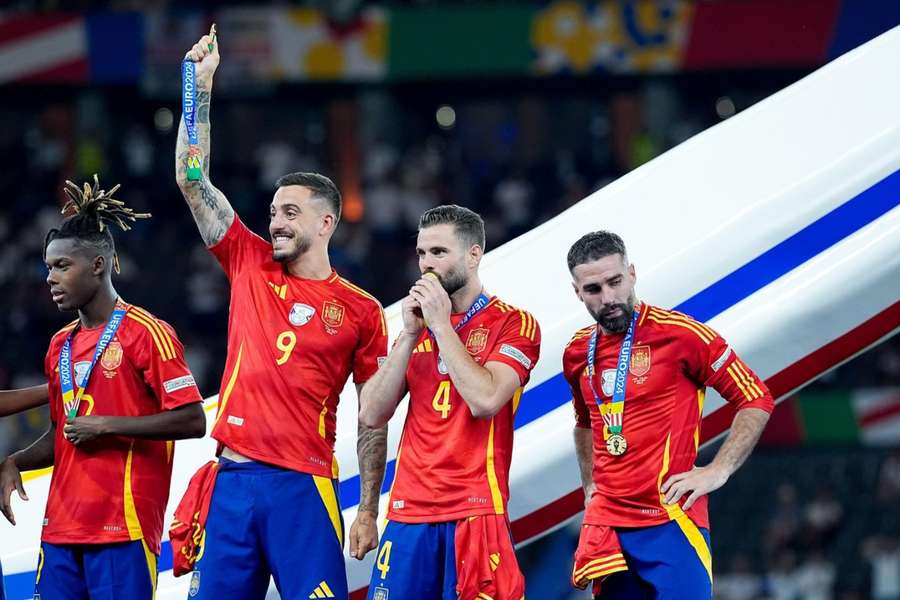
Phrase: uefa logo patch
x=195 y=584
x=380 y=593
x=301 y=314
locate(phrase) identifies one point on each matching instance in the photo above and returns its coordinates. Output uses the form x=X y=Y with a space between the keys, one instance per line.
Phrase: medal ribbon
x=480 y=304
x=189 y=111
x=613 y=417
x=71 y=398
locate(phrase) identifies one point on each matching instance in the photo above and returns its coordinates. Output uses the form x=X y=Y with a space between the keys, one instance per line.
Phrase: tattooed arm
x=371 y=449
x=211 y=210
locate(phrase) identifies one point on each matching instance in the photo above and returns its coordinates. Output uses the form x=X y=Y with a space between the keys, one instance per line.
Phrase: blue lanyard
x=71 y=400
x=189 y=111
x=618 y=400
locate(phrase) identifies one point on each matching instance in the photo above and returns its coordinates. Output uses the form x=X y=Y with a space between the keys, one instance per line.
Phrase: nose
x=50 y=278
x=426 y=263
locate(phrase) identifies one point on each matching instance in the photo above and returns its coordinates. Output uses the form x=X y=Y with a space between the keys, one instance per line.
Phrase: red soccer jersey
x=451 y=465
x=292 y=343
x=115 y=489
x=674 y=358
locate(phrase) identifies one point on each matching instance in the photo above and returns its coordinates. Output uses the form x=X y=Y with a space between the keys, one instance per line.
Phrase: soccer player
x=296 y=331
x=120 y=393
x=638 y=378
x=464 y=357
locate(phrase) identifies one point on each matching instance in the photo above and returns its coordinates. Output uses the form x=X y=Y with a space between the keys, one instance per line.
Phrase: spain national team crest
x=477 y=340
x=195 y=584
x=301 y=314
x=112 y=356
x=640 y=363
x=332 y=314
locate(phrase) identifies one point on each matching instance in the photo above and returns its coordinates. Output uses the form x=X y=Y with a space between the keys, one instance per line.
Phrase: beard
x=615 y=323
x=453 y=281
x=301 y=245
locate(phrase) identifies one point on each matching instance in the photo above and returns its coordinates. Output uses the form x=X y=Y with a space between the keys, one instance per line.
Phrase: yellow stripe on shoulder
x=705 y=337
x=68 y=327
x=674 y=314
x=164 y=335
x=356 y=289
x=163 y=352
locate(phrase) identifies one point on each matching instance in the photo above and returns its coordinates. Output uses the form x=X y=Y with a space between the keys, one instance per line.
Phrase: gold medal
x=616 y=444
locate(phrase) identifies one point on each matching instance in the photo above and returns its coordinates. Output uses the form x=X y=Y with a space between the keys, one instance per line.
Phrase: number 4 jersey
x=451 y=465
x=292 y=343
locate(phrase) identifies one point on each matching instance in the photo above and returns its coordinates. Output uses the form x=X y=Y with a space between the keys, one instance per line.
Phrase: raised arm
x=212 y=212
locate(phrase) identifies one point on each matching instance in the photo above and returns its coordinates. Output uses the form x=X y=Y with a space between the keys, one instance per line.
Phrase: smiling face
x=75 y=273
x=297 y=220
x=606 y=286
x=442 y=252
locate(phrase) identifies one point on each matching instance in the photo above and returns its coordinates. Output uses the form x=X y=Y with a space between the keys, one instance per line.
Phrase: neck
x=99 y=308
x=312 y=264
x=464 y=297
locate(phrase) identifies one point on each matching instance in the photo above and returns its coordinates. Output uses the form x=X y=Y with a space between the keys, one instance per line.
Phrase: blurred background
x=517 y=110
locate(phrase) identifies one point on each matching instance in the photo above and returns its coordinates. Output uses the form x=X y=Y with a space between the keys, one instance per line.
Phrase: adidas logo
x=322 y=591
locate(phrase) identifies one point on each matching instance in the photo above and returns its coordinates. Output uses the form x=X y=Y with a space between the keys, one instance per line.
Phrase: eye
x=291 y=214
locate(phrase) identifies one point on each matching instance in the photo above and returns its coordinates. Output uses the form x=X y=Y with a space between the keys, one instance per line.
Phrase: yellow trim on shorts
x=329 y=499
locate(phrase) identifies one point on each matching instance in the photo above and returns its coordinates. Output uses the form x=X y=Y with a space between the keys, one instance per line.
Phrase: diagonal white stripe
x=43 y=51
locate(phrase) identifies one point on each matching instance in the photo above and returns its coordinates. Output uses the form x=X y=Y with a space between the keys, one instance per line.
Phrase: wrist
x=367 y=510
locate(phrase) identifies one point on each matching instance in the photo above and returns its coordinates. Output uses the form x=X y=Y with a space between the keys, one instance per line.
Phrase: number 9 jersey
x=292 y=343
x=451 y=465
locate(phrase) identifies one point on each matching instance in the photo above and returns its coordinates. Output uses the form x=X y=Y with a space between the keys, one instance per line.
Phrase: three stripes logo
x=322 y=591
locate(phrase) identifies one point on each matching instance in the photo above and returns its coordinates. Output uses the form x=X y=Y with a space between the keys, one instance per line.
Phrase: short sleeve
x=50 y=365
x=161 y=358
x=518 y=345
x=372 y=348
x=572 y=374
x=712 y=362
x=240 y=247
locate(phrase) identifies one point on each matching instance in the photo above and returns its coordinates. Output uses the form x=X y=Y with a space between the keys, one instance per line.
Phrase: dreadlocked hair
x=90 y=211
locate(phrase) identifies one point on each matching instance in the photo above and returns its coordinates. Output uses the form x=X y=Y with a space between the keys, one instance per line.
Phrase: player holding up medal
x=120 y=391
x=638 y=378
x=296 y=332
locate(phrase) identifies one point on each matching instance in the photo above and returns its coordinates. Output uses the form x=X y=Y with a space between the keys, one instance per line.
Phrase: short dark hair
x=320 y=186
x=93 y=211
x=594 y=246
x=468 y=224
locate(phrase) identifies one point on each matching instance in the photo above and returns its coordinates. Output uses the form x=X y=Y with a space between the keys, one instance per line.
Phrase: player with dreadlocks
x=120 y=392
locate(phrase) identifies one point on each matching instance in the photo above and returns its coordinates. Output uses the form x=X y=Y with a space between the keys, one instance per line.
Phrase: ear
x=474 y=256
x=632 y=273
x=327 y=225
x=577 y=291
x=99 y=265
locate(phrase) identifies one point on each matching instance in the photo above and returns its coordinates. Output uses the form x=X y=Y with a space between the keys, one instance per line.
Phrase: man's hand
x=363 y=534
x=433 y=301
x=82 y=430
x=699 y=482
x=412 y=316
x=205 y=54
x=588 y=494
x=10 y=479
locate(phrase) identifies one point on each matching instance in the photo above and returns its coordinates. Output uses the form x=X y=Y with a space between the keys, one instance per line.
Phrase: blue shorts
x=265 y=520
x=415 y=561
x=2 y=589
x=665 y=562
x=95 y=571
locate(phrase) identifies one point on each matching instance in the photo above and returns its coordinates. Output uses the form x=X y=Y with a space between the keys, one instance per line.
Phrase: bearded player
x=120 y=392
x=464 y=357
x=638 y=378
x=296 y=332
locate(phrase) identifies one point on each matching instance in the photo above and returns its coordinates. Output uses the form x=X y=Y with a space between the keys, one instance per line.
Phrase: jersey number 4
x=441 y=401
x=384 y=559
